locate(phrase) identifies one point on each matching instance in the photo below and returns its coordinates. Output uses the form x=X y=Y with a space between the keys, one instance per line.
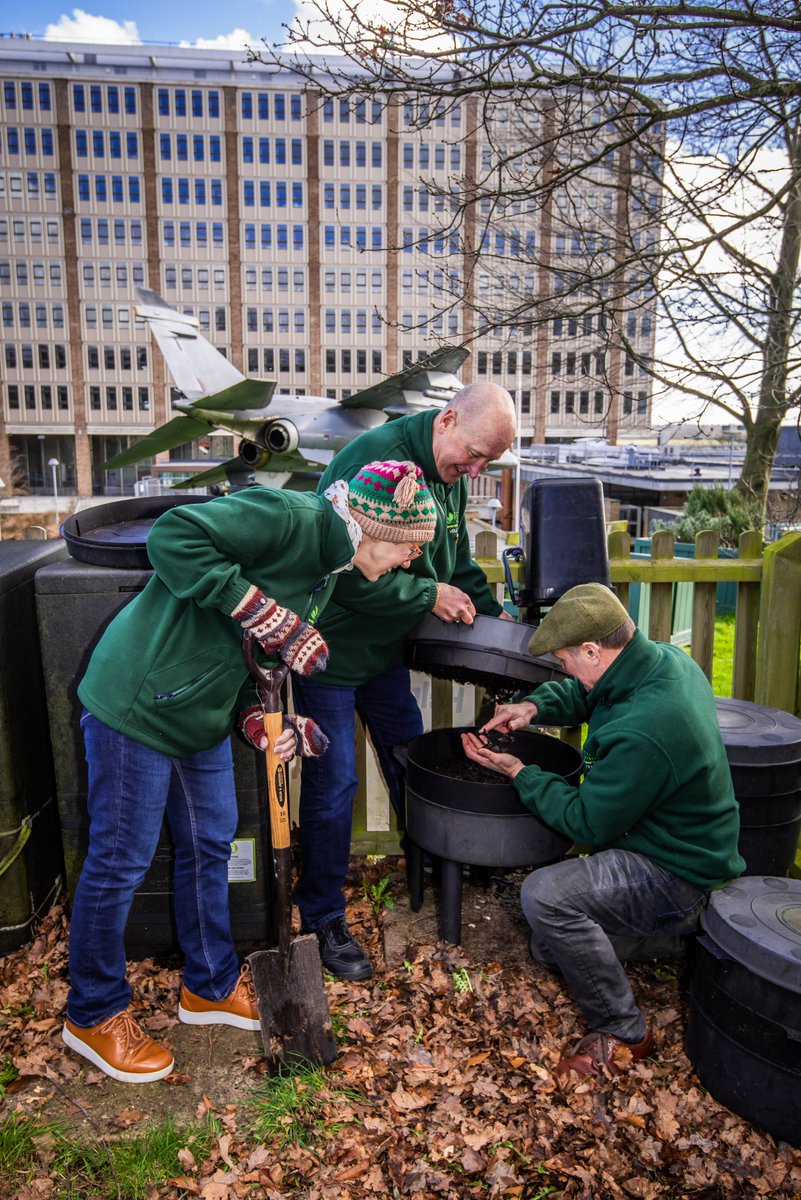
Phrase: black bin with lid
x=744 y=1025
x=763 y=746
x=75 y=600
x=563 y=539
x=30 y=844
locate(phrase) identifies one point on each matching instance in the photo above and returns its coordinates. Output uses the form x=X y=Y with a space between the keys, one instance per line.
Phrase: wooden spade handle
x=277 y=784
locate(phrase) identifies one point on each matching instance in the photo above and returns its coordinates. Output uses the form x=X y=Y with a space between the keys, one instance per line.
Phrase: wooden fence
x=767 y=642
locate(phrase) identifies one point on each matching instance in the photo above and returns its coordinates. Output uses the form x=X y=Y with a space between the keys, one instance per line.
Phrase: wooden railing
x=767 y=640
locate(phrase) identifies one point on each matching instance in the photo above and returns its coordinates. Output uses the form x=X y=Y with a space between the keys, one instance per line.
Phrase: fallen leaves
x=436 y=1092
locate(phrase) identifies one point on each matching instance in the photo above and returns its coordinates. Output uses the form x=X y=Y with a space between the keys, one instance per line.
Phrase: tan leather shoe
x=120 y=1048
x=239 y=1009
x=598 y=1052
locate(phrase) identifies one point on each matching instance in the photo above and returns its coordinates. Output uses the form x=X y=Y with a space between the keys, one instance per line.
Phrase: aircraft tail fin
x=197 y=368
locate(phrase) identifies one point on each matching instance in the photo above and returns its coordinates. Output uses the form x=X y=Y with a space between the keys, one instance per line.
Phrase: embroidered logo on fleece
x=453 y=525
x=589 y=762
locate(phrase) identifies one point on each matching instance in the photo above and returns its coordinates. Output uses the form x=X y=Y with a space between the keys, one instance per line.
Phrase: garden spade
x=293 y=1007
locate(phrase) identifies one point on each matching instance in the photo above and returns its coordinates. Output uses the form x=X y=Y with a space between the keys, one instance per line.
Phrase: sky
x=205 y=23
x=233 y=26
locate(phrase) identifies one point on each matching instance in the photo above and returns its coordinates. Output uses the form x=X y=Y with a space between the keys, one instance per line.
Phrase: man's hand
x=509 y=717
x=453 y=605
x=479 y=752
x=505 y=616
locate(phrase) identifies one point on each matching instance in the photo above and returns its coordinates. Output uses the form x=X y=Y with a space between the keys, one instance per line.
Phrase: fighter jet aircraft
x=286 y=439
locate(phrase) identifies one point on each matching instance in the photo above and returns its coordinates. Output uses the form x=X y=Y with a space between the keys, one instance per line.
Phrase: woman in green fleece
x=162 y=691
x=657 y=805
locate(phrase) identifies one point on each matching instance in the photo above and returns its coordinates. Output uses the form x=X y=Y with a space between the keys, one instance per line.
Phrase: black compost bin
x=29 y=835
x=744 y=1026
x=75 y=601
x=763 y=746
x=491 y=652
x=563 y=539
x=476 y=823
x=115 y=534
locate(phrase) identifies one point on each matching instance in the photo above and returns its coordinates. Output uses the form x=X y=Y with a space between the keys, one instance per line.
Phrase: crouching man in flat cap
x=656 y=806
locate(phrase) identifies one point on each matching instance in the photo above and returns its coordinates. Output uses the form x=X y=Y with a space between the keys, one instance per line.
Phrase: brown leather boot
x=120 y=1048
x=239 y=1009
x=600 y=1052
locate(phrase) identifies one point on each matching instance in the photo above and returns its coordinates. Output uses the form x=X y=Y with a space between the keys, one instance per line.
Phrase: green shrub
x=727 y=512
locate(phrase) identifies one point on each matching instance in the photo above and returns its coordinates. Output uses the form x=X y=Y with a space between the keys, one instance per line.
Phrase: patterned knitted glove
x=251 y=726
x=280 y=630
x=310 y=741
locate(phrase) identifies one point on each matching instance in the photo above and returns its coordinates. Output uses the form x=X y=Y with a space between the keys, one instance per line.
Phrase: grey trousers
x=589 y=914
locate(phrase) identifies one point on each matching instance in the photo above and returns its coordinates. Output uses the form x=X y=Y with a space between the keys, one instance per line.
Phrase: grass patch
x=723 y=656
x=295 y=1106
x=129 y=1167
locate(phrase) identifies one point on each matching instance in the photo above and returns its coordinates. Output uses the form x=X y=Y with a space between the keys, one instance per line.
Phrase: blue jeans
x=587 y=914
x=328 y=784
x=131 y=788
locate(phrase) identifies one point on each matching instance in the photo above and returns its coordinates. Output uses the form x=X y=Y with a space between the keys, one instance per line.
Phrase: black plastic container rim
x=98 y=534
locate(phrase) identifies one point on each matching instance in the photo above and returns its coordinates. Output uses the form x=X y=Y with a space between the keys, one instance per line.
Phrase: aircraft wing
x=174 y=433
x=426 y=382
x=225 y=472
x=197 y=367
x=278 y=468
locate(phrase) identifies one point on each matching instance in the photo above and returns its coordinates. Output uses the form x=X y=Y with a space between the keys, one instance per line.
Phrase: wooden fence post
x=619 y=543
x=702 y=643
x=780 y=625
x=660 y=617
x=746 y=623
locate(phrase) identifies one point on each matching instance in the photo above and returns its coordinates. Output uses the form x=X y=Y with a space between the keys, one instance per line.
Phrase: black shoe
x=341 y=955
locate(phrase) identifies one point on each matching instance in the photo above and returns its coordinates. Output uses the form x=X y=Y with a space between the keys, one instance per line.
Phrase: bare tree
x=645 y=158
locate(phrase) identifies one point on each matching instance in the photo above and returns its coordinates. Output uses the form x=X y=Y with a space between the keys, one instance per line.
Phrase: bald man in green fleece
x=656 y=805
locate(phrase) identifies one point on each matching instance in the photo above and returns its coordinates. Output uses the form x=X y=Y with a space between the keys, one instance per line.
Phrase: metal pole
x=518 y=420
x=53 y=465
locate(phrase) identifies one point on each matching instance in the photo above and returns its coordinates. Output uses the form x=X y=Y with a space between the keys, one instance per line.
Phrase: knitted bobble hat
x=392 y=503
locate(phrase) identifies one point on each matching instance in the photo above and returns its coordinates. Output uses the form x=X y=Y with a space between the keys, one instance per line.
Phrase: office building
x=314 y=239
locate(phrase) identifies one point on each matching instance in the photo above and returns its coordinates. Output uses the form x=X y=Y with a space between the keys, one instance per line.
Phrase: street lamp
x=53 y=463
x=494 y=505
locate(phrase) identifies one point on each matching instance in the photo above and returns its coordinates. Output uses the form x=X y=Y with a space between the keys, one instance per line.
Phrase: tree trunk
x=763 y=433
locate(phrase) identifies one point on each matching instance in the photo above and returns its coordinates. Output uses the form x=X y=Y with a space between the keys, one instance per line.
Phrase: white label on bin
x=242 y=863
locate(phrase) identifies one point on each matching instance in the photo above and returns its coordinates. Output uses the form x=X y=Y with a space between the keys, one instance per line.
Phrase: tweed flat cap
x=584 y=614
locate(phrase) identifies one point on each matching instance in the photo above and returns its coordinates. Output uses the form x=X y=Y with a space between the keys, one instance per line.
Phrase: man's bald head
x=486 y=405
x=474 y=429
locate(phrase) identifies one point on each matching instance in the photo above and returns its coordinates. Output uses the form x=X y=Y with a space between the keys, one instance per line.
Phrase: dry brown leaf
x=185 y=1184
x=187 y=1159
x=407 y=1101
x=482 y=1056
x=353 y=1172
x=128 y=1116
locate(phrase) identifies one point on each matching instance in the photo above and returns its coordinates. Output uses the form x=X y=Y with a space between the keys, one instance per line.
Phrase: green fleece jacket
x=168 y=670
x=366 y=623
x=656 y=776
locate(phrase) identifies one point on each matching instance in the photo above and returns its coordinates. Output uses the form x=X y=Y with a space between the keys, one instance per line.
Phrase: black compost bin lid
x=19 y=561
x=754 y=733
x=114 y=534
x=491 y=652
x=757 y=921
